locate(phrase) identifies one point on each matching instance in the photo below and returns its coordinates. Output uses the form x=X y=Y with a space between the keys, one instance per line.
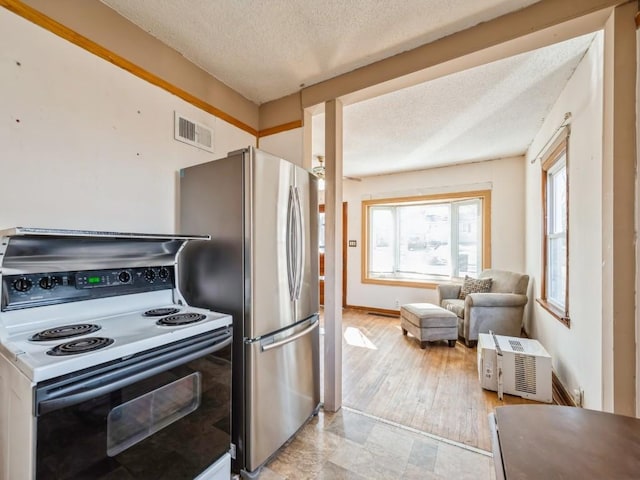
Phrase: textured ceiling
x=491 y=111
x=268 y=49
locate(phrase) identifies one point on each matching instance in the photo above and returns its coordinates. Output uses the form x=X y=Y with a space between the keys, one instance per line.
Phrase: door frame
x=344 y=252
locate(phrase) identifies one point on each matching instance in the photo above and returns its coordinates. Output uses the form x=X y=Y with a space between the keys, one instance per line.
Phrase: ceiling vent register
x=193 y=133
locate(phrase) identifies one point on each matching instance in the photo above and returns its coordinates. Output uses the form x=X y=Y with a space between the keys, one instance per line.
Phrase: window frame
x=550 y=161
x=484 y=195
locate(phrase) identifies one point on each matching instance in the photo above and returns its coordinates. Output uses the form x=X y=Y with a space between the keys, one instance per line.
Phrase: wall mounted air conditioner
x=517 y=366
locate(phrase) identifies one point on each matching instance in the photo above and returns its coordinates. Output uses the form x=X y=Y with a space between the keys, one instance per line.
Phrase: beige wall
x=619 y=347
x=86 y=144
x=95 y=26
x=576 y=352
x=287 y=145
x=505 y=179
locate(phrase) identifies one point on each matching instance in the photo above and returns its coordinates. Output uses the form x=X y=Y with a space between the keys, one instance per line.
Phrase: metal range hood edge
x=53 y=232
x=36 y=250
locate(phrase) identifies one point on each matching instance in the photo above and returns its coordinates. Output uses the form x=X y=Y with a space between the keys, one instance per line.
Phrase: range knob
x=22 y=284
x=124 y=277
x=149 y=274
x=163 y=273
x=47 y=283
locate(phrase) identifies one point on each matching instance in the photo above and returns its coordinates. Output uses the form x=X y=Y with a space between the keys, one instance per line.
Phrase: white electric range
x=104 y=370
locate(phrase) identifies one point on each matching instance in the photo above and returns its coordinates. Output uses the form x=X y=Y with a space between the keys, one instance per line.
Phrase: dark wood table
x=554 y=442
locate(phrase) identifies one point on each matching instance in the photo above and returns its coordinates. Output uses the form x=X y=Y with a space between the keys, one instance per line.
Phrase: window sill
x=555 y=312
x=432 y=284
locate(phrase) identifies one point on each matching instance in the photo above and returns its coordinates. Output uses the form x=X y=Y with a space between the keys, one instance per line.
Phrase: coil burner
x=181 y=319
x=65 y=331
x=161 y=312
x=82 y=345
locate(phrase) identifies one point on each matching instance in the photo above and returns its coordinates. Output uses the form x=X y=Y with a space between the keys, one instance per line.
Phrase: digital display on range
x=101 y=278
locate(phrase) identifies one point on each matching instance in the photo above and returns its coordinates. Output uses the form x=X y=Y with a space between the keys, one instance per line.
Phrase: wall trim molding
x=374 y=310
x=48 y=23
x=561 y=395
x=280 y=128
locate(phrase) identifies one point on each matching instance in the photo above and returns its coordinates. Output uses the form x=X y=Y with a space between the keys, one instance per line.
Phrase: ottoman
x=428 y=323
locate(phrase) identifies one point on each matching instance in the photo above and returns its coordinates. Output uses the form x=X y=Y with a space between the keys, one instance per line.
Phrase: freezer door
x=283 y=388
x=272 y=235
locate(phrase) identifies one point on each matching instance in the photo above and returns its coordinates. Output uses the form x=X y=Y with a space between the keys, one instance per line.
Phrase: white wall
x=85 y=144
x=287 y=145
x=576 y=352
x=505 y=178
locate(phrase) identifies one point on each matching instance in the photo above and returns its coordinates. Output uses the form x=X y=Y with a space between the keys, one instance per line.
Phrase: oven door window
x=132 y=422
x=171 y=425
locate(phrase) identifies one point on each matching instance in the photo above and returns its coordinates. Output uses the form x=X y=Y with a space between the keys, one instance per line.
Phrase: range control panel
x=23 y=291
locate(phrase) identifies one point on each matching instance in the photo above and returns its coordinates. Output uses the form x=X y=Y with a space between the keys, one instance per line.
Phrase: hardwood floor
x=435 y=390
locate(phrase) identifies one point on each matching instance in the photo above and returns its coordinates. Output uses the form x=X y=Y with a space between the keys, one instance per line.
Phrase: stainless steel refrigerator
x=261 y=266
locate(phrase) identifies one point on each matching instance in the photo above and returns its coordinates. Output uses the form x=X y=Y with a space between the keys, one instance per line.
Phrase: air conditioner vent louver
x=525 y=373
x=516 y=346
x=193 y=133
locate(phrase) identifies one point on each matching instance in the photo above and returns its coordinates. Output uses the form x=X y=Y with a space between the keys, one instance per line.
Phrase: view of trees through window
x=428 y=240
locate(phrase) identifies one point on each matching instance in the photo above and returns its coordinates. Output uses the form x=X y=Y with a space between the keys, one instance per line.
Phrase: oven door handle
x=159 y=365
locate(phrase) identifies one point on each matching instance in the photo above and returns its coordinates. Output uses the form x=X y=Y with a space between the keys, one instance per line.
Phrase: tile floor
x=353 y=445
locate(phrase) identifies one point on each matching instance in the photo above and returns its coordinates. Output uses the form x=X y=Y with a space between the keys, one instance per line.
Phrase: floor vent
x=193 y=133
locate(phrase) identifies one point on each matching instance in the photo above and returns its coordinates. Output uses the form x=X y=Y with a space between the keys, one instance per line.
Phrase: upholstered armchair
x=501 y=309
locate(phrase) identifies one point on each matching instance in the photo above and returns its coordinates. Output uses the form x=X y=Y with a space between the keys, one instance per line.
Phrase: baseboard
x=561 y=395
x=375 y=311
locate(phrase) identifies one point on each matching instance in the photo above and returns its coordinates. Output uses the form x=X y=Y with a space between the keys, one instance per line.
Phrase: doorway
x=344 y=252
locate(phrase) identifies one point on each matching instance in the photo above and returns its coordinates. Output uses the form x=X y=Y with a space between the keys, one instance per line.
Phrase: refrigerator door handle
x=300 y=244
x=295 y=336
x=290 y=247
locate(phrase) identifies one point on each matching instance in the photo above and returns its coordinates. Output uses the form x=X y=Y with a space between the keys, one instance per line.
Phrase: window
x=424 y=240
x=555 y=256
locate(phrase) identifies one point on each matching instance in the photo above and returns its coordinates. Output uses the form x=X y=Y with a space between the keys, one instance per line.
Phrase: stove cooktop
x=43 y=352
x=71 y=300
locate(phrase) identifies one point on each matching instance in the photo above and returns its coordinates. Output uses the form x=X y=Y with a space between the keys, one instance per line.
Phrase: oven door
x=163 y=413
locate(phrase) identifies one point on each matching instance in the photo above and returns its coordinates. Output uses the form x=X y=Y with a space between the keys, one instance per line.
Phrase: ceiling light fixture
x=318 y=170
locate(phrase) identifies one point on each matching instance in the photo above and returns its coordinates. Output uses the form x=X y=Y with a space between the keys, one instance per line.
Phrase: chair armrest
x=495 y=300
x=447 y=290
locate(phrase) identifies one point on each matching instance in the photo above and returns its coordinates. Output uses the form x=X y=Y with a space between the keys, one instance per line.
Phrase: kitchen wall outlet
x=397 y=303
x=578 y=396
